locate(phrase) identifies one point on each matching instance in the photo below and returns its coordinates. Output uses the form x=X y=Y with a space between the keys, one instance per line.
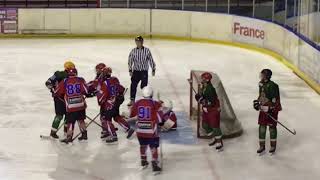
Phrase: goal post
x=229 y=124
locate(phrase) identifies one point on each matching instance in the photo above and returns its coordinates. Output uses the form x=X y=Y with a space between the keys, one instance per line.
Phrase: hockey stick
x=161 y=154
x=189 y=80
x=291 y=131
x=91 y=121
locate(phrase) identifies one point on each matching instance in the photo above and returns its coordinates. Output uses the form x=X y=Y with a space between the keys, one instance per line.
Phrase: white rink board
x=204 y=25
x=184 y=24
x=172 y=23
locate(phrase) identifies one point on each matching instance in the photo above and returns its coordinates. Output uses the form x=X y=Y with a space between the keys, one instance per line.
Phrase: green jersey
x=209 y=95
x=56 y=78
x=269 y=93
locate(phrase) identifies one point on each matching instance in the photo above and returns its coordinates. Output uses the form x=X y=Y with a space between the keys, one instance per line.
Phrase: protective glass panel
x=263 y=9
x=195 y=5
x=220 y=6
x=241 y=7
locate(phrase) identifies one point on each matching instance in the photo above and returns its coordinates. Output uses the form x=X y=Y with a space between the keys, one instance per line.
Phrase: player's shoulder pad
x=274 y=84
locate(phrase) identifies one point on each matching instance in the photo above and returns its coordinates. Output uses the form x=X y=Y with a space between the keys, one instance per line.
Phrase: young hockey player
x=59 y=105
x=92 y=88
x=110 y=97
x=208 y=98
x=73 y=89
x=148 y=119
x=92 y=85
x=268 y=103
x=168 y=116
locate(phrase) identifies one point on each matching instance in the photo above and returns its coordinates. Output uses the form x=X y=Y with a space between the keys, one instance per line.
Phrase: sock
x=143 y=154
x=154 y=152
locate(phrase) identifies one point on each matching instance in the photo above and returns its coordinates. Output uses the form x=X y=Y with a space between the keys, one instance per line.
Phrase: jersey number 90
x=144 y=113
x=73 y=89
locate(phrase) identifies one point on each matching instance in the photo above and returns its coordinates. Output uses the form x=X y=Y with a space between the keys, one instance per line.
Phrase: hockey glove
x=119 y=100
x=49 y=85
x=256 y=105
x=198 y=97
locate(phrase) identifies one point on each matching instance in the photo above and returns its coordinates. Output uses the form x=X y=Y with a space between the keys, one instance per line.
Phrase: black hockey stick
x=291 y=131
x=91 y=121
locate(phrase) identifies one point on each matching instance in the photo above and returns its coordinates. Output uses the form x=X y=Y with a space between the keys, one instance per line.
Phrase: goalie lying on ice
x=168 y=116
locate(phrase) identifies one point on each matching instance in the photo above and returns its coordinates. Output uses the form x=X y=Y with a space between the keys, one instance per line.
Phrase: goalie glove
x=256 y=105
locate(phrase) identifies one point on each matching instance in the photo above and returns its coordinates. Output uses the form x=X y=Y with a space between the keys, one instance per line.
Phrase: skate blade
x=82 y=141
x=272 y=153
x=219 y=150
x=262 y=153
x=156 y=173
x=111 y=143
x=144 y=167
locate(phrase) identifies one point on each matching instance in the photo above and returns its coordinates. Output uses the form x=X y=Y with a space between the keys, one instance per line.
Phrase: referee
x=139 y=60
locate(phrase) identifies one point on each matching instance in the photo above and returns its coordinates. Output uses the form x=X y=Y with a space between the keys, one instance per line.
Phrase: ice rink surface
x=26 y=111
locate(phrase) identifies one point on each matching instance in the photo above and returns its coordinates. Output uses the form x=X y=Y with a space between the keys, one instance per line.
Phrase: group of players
x=268 y=104
x=70 y=91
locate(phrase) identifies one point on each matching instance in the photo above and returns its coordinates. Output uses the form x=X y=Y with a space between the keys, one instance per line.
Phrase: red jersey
x=73 y=90
x=93 y=85
x=108 y=89
x=148 y=117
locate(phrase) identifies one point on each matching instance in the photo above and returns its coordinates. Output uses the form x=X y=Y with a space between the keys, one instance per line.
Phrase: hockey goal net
x=229 y=124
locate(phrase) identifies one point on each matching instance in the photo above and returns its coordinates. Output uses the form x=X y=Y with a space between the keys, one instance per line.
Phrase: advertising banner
x=247 y=30
x=8 y=20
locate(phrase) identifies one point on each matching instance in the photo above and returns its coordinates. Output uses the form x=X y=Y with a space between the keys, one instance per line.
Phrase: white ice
x=26 y=111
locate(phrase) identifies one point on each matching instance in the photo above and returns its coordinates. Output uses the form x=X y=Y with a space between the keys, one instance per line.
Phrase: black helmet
x=139 y=38
x=267 y=73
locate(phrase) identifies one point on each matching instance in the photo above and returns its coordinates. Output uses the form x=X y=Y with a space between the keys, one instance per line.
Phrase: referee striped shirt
x=140 y=59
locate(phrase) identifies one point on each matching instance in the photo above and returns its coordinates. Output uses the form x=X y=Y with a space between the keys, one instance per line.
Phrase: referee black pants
x=136 y=77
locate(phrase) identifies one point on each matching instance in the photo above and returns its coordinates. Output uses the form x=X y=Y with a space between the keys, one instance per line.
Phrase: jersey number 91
x=144 y=113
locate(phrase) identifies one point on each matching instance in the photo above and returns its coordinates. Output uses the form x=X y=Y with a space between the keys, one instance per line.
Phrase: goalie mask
x=167 y=106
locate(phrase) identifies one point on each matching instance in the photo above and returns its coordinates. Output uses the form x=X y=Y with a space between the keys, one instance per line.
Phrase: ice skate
x=155 y=168
x=54 y=135
x=84 y=136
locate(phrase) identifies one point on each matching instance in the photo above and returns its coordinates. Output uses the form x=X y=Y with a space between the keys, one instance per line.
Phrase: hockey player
x=73 y=89
x=60 y=108
x=209 y=100
x=268 y=103
x=146 y=112
x=168 y=116
x=110 y=94
x=92 y=85
x=92 y=88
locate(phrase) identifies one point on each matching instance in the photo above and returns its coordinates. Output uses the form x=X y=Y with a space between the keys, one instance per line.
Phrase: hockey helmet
x=147 y=92
x=99 y=67
x=206 y=77
x=69 y=65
